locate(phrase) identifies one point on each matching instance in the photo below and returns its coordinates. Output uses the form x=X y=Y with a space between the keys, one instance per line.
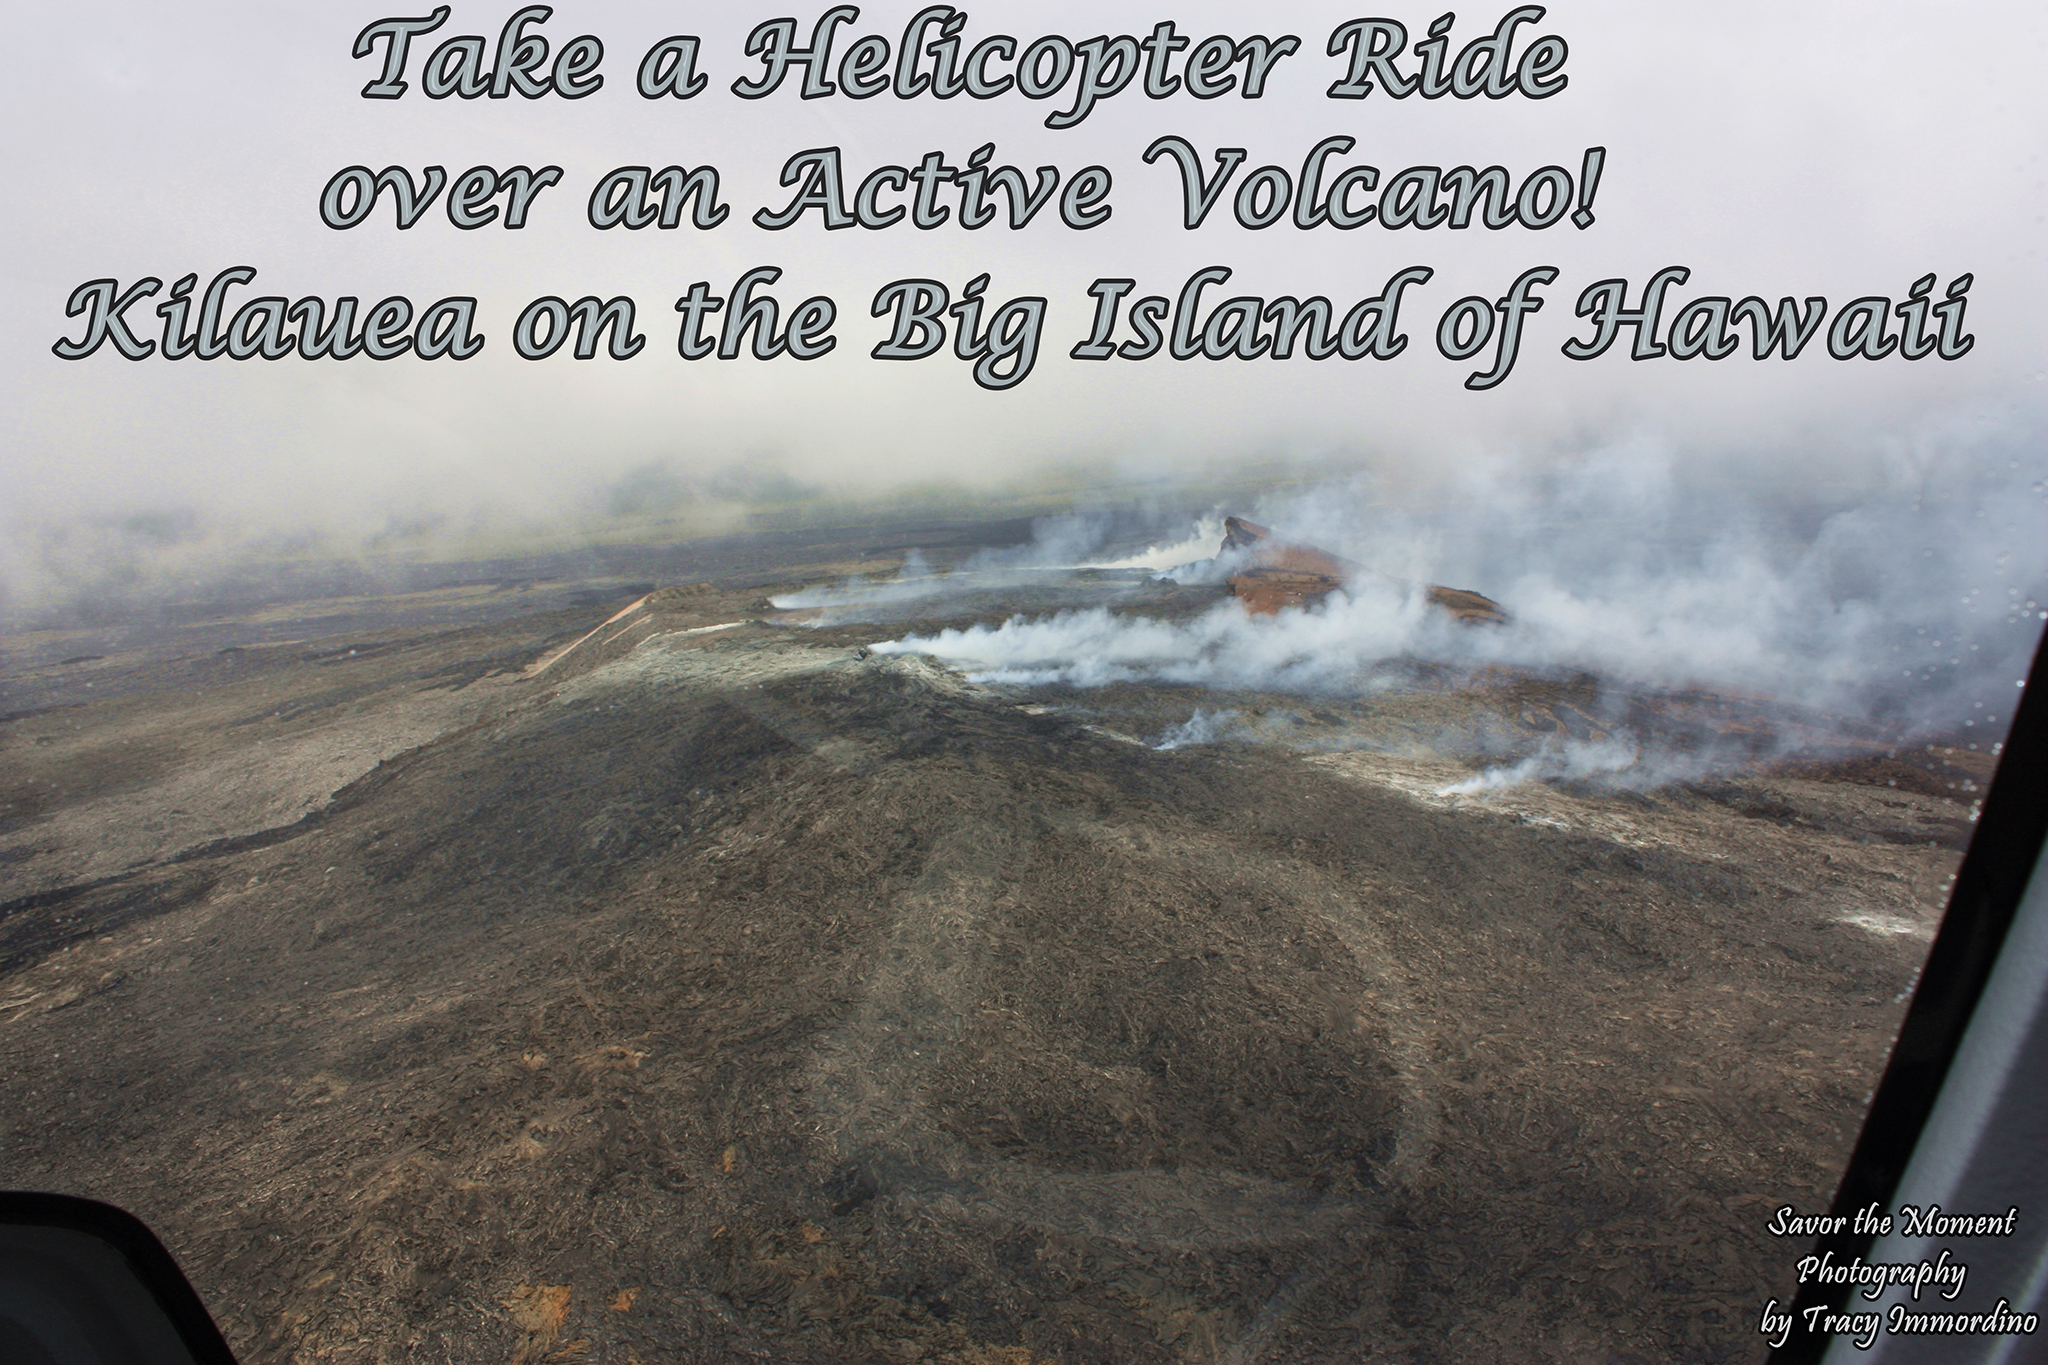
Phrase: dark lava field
x=446 y=982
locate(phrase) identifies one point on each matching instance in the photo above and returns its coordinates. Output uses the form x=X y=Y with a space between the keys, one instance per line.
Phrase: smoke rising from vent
x=1608 y=761
x=1203 y=727
x=1917 y=598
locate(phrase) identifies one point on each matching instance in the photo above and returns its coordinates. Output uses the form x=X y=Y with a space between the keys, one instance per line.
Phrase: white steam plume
x=1203 y=727
x=1167 y=556
x=1617 y=761
x=1060 y=547
x=1918 y=597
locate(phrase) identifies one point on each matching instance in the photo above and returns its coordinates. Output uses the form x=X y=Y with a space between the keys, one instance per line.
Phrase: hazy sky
x=1831 y=149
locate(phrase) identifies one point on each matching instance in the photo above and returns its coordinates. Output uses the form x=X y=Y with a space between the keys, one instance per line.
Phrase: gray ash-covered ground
x=742 y=994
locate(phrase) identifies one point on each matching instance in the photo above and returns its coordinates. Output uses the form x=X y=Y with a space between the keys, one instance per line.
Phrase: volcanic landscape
x=598 y=959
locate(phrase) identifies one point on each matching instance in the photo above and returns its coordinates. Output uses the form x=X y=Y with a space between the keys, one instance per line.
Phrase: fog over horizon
x=1838 y=150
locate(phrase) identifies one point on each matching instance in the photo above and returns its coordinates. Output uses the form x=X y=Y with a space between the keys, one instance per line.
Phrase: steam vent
x=1284 y=574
